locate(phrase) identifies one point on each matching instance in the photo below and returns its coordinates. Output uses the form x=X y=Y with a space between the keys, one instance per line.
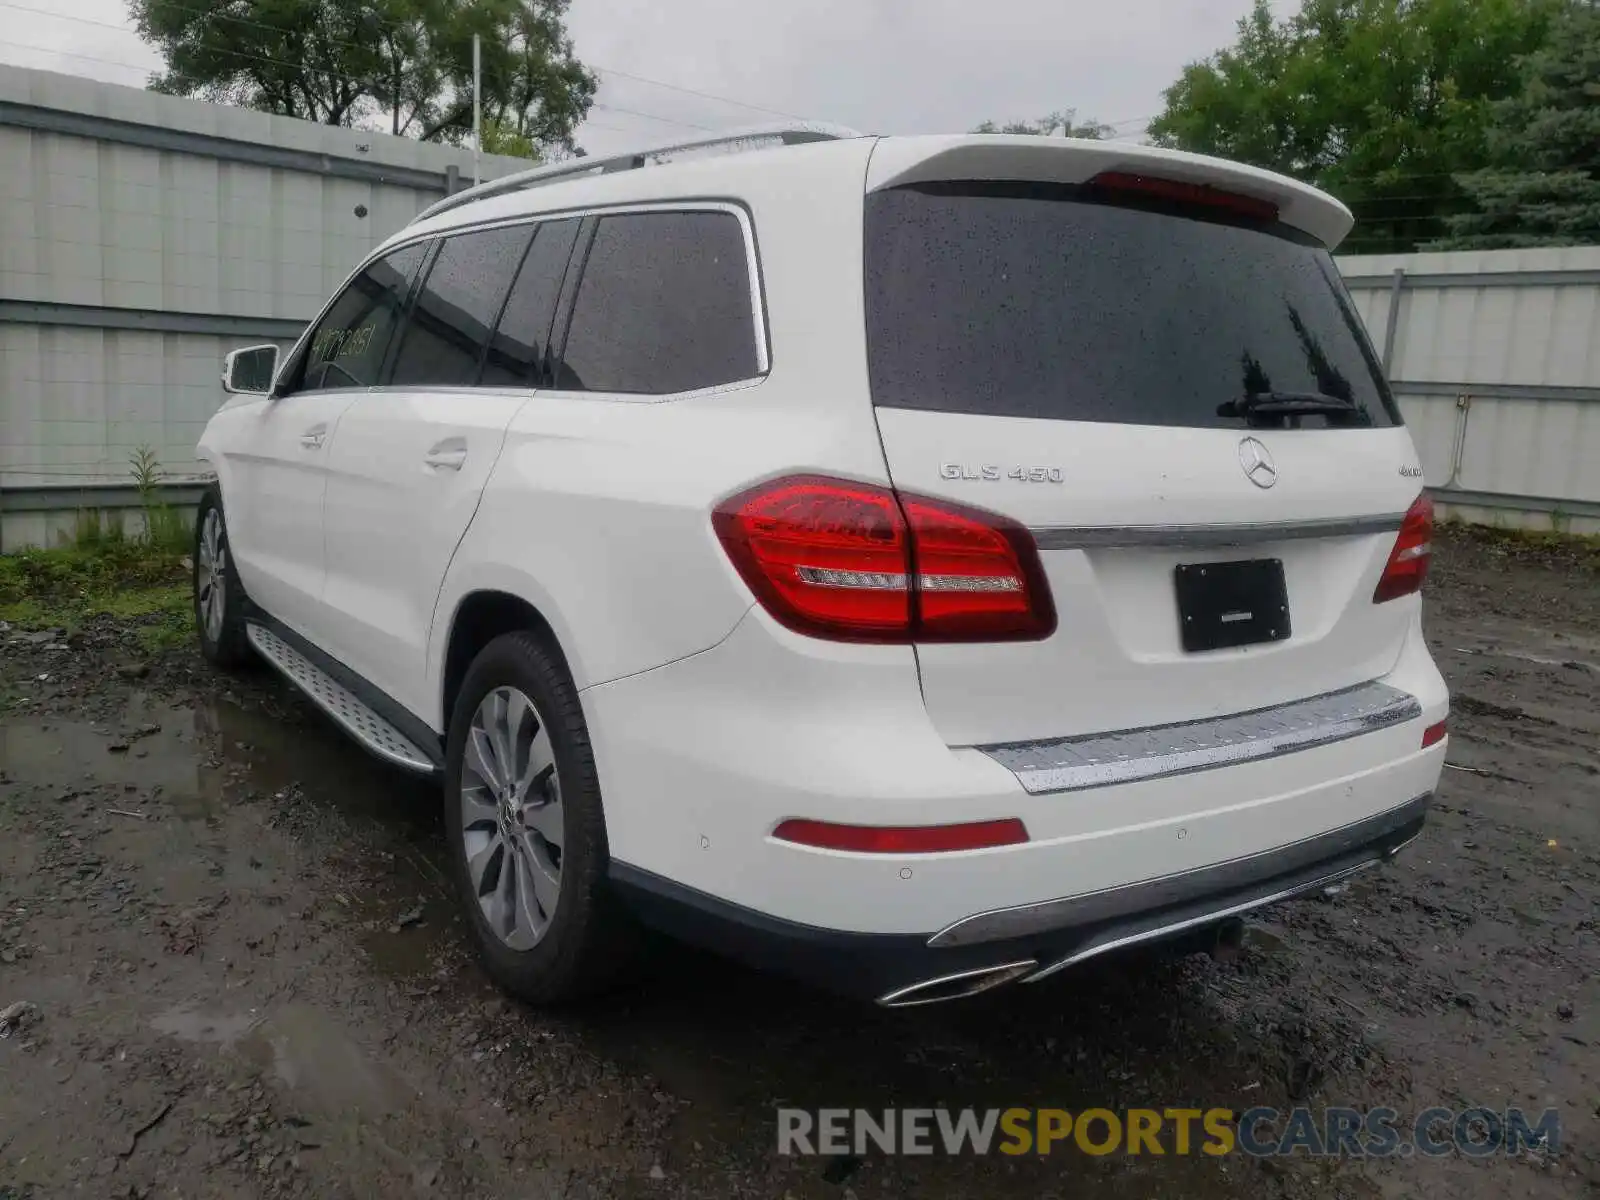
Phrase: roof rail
x=790 y=134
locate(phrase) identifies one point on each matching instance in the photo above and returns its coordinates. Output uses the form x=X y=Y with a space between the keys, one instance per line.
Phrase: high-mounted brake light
x=1180 y=192
x=903 y=839
x=857 y=562
x=1413 y=550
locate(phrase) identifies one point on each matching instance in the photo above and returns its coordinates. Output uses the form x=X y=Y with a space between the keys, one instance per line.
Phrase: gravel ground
x=243 y=975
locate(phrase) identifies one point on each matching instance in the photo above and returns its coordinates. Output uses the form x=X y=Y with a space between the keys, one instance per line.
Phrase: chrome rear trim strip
x=957 y=986
x=1167 y=929
x=1253 y=880
x=1101 y=759
x=1198 y=537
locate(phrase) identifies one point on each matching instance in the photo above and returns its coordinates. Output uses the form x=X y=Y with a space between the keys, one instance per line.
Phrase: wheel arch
x=478 y=618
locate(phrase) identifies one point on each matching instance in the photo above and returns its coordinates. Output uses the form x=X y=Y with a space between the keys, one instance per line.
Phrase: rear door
x=1120 y=369
x=412 y=457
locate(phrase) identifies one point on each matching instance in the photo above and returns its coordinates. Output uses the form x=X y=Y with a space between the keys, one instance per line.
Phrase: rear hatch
x=1168 y=386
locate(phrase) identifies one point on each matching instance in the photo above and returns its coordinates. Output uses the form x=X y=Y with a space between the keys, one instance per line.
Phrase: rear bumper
x=702 y=759
x=1023 y=942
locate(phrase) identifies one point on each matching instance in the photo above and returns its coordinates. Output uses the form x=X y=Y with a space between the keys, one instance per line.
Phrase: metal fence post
x=1392 y=328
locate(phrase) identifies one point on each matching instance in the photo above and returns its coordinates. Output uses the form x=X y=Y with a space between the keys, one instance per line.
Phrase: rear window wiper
x=1294 y=404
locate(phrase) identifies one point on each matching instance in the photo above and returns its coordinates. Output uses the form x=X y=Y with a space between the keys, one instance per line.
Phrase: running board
x=356 y=718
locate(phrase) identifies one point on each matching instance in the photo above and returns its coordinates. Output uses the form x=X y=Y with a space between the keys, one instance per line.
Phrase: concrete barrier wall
x=142 y=237
x=1495 y=359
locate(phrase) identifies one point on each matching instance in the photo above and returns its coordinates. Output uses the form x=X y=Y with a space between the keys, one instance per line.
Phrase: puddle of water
x=158 y=747
x=188 y=1025
x=306 y=1051
x=332 y=770
x=311 y=1055
x=334 y=773
x=198 y=758
x=188 y=754
x=1264 y=941
x=411 y=951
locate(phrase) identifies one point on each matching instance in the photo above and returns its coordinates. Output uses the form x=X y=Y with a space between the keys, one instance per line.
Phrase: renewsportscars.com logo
x=1258 y=1132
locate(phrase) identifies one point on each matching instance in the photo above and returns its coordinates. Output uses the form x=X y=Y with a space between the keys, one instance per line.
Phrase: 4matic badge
x=989 y=474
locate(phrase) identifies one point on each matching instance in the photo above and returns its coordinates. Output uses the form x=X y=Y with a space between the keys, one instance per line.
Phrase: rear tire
x=527 y=830
x=219 y=599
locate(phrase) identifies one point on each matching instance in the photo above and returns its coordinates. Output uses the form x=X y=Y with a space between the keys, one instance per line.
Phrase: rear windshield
x=1045 y=301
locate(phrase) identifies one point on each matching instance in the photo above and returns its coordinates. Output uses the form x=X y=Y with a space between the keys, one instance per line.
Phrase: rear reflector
x=1180 y=192
x=1434 y=734
x=903 y=839
x=857 y=562
x=1413 y=550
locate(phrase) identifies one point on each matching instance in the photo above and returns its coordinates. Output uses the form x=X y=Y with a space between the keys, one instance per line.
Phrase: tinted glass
x=456 y=306
x=1035 y=302
x=663 y=306
x=517 y=355
x=348 y=345
x=564 y=379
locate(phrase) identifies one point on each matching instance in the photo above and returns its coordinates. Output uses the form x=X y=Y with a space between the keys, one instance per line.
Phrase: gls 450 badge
x=992 y=473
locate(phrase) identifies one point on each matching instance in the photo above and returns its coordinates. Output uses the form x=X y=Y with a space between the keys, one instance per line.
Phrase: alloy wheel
x=511 y=818
x=211 y=571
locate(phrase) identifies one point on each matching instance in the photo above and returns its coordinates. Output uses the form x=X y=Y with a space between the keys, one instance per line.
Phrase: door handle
x=446 y=460
x=312 y=439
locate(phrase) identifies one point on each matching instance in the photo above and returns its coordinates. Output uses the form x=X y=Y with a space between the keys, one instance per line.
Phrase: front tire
x=219 y=599
x=527 y=830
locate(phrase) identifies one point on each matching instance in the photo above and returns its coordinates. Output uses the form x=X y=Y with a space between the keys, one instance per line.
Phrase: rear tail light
x=856 y=562
x=1413 y=550
x=1178 y=191
x=903 y=839
x=1434 y=734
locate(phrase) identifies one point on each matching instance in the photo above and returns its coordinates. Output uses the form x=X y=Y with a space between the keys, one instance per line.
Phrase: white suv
x=913 y=563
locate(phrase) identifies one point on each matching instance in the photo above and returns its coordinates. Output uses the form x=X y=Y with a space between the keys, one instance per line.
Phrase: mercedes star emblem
x=1258 y=466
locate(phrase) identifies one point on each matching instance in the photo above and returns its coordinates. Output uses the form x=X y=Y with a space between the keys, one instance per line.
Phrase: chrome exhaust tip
x=958 y=986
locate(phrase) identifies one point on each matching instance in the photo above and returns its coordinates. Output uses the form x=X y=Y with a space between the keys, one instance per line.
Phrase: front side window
x=456 y=306
x=347 y=347
x=664 y=306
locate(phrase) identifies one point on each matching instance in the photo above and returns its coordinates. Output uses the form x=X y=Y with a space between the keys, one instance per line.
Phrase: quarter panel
x=599 y=514
x=599 y=510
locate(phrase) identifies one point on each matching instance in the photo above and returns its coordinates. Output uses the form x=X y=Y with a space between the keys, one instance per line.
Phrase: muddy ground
x=246 y=977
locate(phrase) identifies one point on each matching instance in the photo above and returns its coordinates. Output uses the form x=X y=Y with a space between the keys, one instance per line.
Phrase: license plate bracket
x=1224 y=605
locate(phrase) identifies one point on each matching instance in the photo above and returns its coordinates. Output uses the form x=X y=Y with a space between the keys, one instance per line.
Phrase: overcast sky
x=885 y=66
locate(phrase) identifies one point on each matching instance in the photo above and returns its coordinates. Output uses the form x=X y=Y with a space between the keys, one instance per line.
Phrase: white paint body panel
x=396 y=508
x=702 y=759
x=274 y=481
x=1115 y=660
x=711 y=723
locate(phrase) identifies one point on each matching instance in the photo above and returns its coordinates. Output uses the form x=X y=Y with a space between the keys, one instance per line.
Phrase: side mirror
x=250 y=372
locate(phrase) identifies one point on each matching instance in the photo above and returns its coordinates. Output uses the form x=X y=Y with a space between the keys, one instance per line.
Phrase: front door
x=274 y=508
x=281 y=475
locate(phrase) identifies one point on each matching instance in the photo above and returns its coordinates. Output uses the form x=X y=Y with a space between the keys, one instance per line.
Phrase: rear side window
x=456 y=306
x=347 y=347
x=664 y=306
x=519 y=351
x=1036 y=301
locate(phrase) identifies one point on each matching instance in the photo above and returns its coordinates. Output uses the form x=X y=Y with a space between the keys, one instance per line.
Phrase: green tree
x=499 y=138
x=1057 y=124
x=407 y=63
x=1543 y=188
x=1381 y=102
